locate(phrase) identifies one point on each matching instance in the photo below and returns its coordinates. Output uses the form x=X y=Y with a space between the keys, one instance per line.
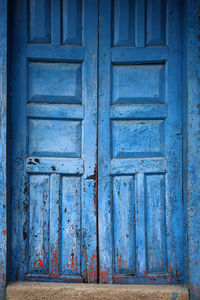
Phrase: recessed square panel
x=57 y=138
x=55 y=82
x=138 y=83
x=123 y=223
x=144 y=138
x=38 y=223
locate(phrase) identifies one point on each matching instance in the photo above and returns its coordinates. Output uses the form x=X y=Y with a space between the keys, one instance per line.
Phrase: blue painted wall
x=3 y=148
x=193 y=145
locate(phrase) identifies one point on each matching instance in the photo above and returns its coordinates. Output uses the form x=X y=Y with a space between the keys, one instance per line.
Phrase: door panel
x=54 y=125
x=141 y=212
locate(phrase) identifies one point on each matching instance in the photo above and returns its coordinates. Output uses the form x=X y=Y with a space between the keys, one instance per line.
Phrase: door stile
x=104 y=180
x=89 y=133
x=176 y=249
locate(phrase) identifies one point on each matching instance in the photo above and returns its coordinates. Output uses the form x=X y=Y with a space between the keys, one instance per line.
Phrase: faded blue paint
x=54 y=136
x=3 y=145
x=193 y=145
x=141 y=212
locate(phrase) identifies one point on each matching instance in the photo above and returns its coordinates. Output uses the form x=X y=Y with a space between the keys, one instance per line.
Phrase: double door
x=96 y=141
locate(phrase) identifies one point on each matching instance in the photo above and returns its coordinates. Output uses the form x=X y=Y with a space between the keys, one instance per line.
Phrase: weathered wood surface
x=54 y=136
x=141 y=206
x=140 y=141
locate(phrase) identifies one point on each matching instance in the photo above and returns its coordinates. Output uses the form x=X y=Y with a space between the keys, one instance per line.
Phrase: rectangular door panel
x=141 y=212
x=54 y=126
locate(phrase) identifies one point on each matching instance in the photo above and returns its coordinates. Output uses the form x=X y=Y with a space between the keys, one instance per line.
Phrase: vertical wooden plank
x=193 y=145
x=3 y=144
x=140 y=23
x=38 y=224
x=55 y=22
x=173 y=143
x=140 y=225
x=89 y=138
x=104 y=151
x=124 y=231
x=71 y=225
x=54 y=223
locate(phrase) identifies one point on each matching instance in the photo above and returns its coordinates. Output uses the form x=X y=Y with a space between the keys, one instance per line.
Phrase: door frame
x=191 y=150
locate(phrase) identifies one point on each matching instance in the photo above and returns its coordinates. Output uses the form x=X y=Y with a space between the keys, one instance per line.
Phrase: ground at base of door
x=57 y=291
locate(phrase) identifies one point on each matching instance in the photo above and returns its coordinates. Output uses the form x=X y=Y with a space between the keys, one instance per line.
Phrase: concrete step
x=61 y=291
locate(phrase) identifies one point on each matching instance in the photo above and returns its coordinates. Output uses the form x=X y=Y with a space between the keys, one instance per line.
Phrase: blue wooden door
x=54 y=125
x=141 y=212
x=77 y=68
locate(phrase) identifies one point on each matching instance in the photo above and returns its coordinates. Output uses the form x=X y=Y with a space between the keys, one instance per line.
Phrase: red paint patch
x=4 y=232
x=92 y=269
x=151 y=278
x=105 y=275
x=73 y=260
x=54 y=262
x=125 y=266
x=39 y=262
x=119 y=259
x=198 y=288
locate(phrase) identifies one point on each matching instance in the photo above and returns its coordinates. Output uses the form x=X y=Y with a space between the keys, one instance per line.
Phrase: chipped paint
x=193 y=145
x=105 y=274
x=54 y=262
x=39 y=262
x=73 y=262
x=92 y=269
x=119 y=259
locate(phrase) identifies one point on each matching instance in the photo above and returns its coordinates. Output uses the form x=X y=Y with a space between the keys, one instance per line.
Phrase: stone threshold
x=22 y=290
